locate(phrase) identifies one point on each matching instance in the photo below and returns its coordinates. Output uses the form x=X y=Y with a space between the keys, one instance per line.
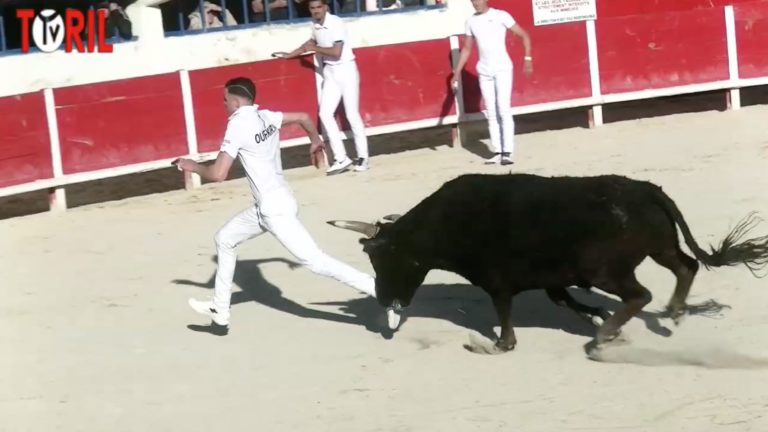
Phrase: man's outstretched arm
x=217 y=172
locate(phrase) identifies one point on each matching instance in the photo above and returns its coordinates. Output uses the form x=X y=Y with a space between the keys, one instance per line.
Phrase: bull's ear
x=370 y=245
x=392 y=217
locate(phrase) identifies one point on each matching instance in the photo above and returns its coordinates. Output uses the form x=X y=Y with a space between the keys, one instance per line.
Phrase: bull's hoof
x=593 y=320
x=479 y=345
x=610 y=338
x=676 y=313
x=596 y=320
x=505 y=346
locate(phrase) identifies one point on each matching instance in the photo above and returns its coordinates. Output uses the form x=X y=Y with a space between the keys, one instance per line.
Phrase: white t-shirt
x=490 y=33
x=254 y=136
x=332 y=30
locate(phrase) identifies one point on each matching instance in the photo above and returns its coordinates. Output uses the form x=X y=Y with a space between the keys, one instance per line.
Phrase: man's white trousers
x=496 y=90
x=342 y=81
x=278 y=215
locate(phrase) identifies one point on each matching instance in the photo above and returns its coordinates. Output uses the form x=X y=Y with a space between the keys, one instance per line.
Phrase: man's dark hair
x=325 y=2
x=243 y=87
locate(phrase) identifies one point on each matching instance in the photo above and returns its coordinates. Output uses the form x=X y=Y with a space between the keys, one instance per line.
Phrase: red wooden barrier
x=404 y=82
x=561 y=68
x=662 y=50
x=281 y=85
x=613 y=8
x=25 y=151
x=752 y=38
x=117 y=123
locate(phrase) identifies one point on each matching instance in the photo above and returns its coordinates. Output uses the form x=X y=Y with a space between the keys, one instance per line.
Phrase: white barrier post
x=596 y=111
x=191 y=180
x=457 y=137
x=319 y=92
x=57 y=196
x=733 y=96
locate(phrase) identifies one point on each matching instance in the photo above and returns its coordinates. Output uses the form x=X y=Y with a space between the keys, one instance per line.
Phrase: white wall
x=154 y=53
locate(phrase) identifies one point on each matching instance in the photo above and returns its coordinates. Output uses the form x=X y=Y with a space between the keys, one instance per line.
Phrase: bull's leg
x=684 y=268
x=635 y=297
x=561 y=297
x=503 y=303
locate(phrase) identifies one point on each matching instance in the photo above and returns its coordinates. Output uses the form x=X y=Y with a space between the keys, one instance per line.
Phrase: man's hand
x=185 y=164
x=217 y=172
x=455 y=81
x=528 y=67
x=309 y=45
x=316 y=152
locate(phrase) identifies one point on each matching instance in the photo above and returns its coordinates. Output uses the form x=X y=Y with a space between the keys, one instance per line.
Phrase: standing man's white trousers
x=342 y=81
x=496 y=90
x=279 y=216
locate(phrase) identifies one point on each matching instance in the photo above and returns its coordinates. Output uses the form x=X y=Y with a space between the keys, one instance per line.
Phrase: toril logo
x=50 y=30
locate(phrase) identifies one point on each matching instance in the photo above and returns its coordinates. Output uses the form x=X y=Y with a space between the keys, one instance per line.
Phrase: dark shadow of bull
x=459 y=304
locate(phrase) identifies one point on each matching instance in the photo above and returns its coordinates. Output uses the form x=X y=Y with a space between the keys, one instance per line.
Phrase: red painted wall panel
x=560 y=67
x=661 y=50
x=281 y=85
x=614 y=8
x=752 y=38
x=119 y=123
x=404 y=82
x=25 y=150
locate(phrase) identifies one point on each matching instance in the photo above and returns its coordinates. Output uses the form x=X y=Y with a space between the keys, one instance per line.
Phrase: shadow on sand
x=460 y=304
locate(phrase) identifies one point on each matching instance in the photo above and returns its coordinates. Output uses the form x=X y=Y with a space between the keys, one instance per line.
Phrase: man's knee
x=314 y=261
x=354 y=119
x=223 y=239
x=327 y=115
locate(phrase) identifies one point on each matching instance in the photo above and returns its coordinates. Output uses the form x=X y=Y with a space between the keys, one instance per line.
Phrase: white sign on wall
x=560 y=11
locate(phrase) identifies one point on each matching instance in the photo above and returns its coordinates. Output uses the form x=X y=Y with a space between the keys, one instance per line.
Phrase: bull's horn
x=392 y=217
x=366 y=228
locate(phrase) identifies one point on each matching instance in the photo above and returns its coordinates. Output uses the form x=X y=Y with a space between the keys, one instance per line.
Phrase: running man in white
x=489 y=26
x=341 y=80
x=253 y=135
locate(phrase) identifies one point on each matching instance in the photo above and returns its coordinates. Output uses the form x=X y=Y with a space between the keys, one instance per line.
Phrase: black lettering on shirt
x=266 y=133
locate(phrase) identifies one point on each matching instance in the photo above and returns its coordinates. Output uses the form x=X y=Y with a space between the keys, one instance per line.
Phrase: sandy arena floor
x=95 y=317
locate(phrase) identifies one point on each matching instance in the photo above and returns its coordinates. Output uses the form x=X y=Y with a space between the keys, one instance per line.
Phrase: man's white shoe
x=361 y=164
x=206 y=308
x=495 y=159
x=339 y=167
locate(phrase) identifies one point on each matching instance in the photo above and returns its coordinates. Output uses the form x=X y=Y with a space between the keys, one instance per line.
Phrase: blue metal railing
x=2 y=34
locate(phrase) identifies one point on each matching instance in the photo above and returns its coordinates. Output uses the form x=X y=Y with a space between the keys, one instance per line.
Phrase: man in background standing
x=341 y=80
x=489 y=27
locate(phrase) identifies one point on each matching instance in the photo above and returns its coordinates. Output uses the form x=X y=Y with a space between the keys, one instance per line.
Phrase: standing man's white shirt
x=328 y=33
x=490 y=32
x=254 y=135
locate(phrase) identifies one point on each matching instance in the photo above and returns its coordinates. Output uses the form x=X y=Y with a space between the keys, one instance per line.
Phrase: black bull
x=517 y=232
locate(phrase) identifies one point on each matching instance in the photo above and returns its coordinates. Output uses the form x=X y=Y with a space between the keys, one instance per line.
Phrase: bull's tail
x=753 y=253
